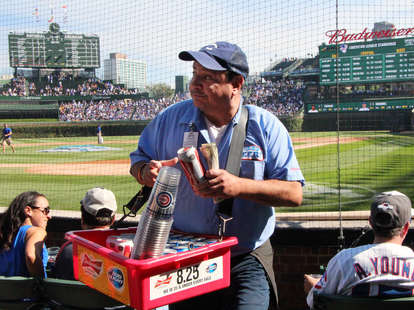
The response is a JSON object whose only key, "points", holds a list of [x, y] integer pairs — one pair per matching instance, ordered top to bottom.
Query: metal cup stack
{"points": [[156, 221]]}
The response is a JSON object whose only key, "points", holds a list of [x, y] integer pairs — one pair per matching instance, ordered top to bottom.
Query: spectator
{"points": [[98, 209], [22, 236], [384, 268]]}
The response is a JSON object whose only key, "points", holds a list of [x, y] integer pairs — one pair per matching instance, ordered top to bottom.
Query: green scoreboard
{"points": [[53, 49], [386, 60]]}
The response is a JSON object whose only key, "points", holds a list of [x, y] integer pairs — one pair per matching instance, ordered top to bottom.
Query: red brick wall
{"points": [[291, 262]]}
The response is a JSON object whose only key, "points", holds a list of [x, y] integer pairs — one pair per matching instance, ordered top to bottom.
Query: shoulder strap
{"points": [[237, 143], [234, 158]]}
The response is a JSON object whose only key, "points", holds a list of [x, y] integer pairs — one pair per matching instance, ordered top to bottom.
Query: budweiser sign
{"points": [[341, 35]]}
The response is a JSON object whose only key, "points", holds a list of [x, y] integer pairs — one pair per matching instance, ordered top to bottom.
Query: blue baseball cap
{"points": [[220, 56]]}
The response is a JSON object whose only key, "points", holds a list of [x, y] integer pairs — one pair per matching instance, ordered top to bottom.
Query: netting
{"points": [[337, 73]]}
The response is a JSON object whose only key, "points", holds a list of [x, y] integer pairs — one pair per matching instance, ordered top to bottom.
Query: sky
{"points": [[155, 31]]}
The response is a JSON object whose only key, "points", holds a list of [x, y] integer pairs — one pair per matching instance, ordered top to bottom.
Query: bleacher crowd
{"points": [[62, 84], [17, 87], [281, 97], [122, 109]]}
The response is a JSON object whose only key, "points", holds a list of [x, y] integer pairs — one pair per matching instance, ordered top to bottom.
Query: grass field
{"points": [[369, 162], [374, 162], [64, 191]]}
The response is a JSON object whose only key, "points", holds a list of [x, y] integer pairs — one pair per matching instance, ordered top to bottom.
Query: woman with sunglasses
{"points": [[22, 236]]}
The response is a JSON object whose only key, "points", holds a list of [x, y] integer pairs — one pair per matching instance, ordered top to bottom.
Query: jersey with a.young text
{"points": [[383, 269]]}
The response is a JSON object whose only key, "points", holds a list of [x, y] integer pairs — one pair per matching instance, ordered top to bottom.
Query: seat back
{"points": [[18, 292], [31, 293], [76, 295], [338, 302]]}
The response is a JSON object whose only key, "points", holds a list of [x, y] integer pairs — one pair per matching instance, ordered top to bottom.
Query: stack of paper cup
{"points": [[156, 221]]}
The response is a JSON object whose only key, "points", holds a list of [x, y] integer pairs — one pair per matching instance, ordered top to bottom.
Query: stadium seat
{"points": [[18, 293], [67, 294], [338, 302]]}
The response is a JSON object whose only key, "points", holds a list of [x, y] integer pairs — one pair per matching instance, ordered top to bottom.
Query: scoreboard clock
{"points": [[53, 49], [386, 60]]}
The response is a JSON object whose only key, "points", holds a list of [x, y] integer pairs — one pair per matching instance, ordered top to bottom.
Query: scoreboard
{"points": [[53, 49], [386, 60]]}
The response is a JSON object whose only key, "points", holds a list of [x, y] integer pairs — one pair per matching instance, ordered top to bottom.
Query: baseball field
{"points": [[345, 169]]}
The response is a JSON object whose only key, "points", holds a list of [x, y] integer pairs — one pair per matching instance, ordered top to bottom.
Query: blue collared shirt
{"points": [[267, 154]]}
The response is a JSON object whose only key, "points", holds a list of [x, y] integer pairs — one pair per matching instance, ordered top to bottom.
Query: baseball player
{"points": [[99, 134], [6, 138], [384, 268]]}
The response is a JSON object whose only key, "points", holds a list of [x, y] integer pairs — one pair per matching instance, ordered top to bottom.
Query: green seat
{"points": [[18, 293], [67, 294], [338, 302]]}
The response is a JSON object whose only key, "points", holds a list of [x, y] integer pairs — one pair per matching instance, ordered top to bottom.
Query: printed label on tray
{"points": [[103, 274], [185, 278]]}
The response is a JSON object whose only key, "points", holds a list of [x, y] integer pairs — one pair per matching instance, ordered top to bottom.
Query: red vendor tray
{"points": [[153, 282]]}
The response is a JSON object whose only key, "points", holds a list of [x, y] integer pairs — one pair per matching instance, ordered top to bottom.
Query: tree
{"points": [[160, 90]]}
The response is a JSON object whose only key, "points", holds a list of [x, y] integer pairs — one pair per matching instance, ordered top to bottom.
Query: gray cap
{"points": [[99, 198], [390, 210]]}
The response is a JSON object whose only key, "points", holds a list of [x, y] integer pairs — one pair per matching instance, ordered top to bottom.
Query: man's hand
{"points": [[150, 170], [219, 184]]}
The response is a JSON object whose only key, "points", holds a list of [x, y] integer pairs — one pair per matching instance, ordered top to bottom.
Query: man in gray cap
{"points": [[269, 172], [98, 209], [384, 268]]}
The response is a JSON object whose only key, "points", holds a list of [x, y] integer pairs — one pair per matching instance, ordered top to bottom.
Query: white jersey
{"points": [[370, 270]]}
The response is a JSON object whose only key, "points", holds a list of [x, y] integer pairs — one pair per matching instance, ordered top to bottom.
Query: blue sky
{"points": [[155, 31]]}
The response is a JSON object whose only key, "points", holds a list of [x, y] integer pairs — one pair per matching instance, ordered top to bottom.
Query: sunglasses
{"points": [[45, 211]]}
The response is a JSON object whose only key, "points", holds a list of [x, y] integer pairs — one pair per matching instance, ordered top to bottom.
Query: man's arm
{"points": [[222, 184], [35, 238], [309, 282], [331, 282]]}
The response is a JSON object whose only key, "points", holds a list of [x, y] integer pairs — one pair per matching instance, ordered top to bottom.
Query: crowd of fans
{"points": [[61, 83], [17, 87], [90, 87], [356, 92], [282, 97], [122, 109]]}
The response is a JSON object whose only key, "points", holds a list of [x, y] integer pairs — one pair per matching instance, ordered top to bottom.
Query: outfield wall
{"points": [[78, 129]]}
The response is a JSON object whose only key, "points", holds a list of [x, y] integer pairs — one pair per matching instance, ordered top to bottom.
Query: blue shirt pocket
{"points": [[252, 169]]}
